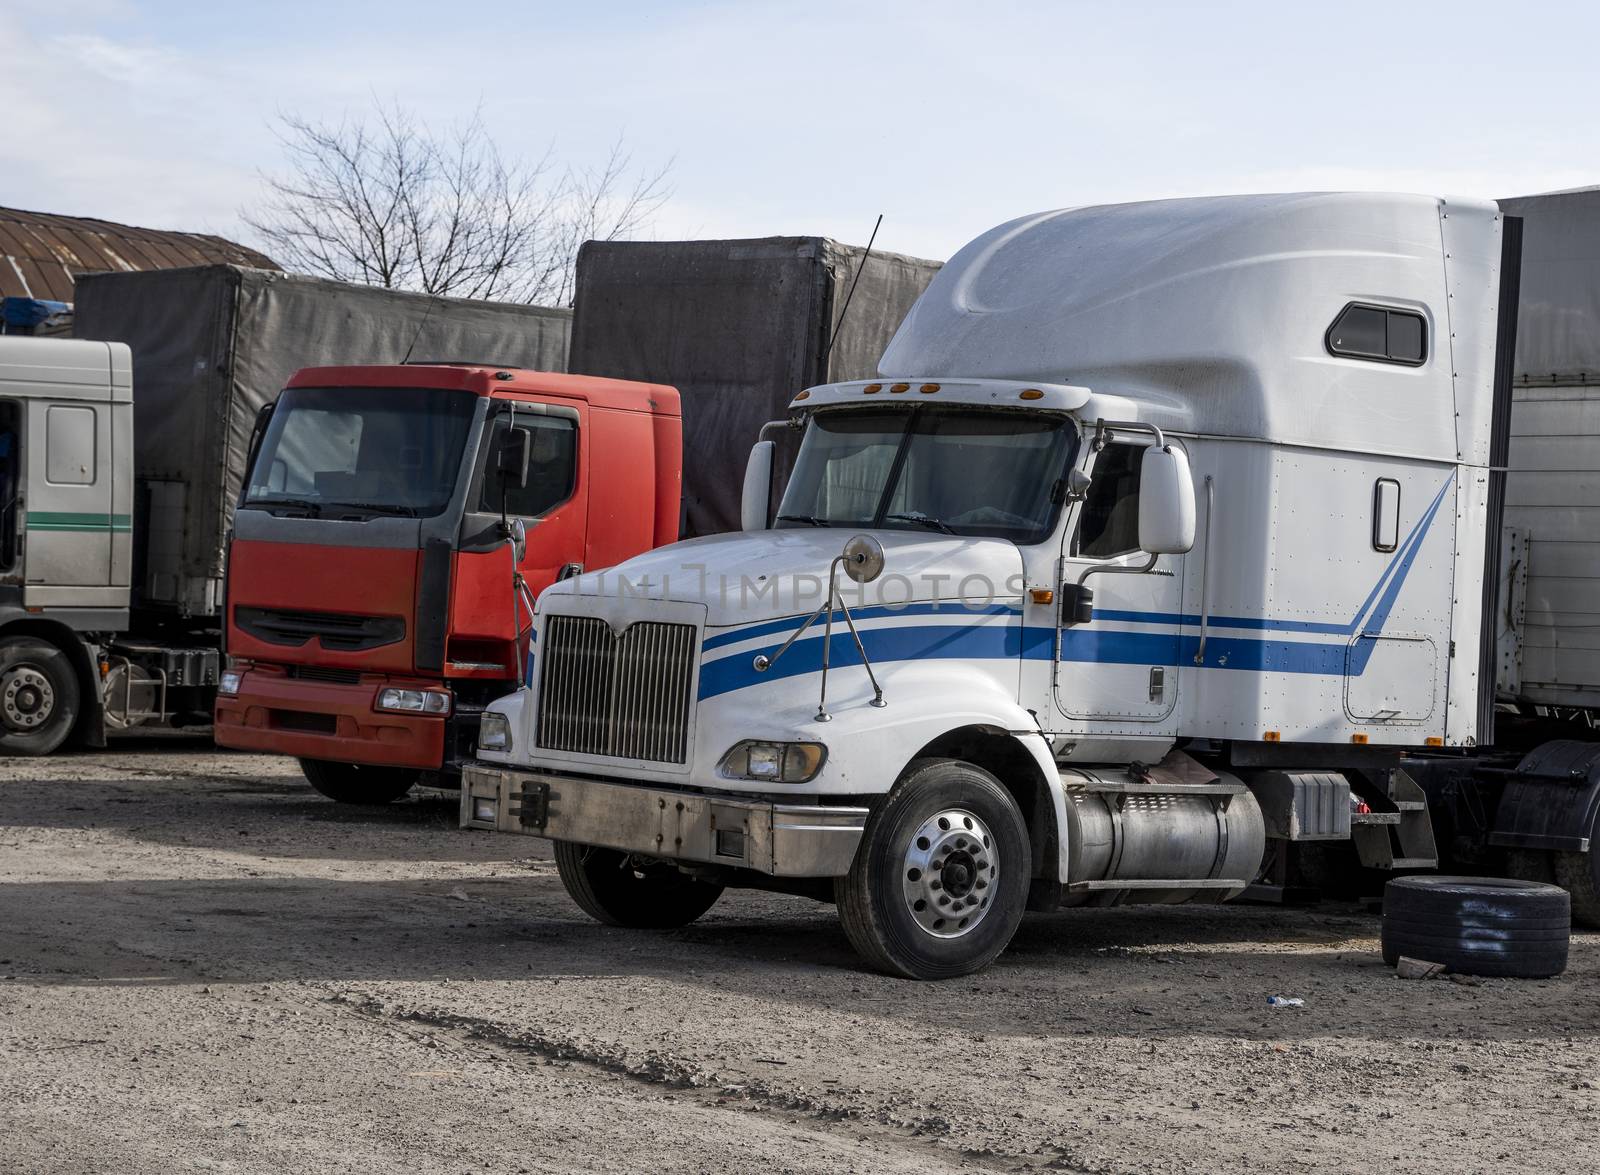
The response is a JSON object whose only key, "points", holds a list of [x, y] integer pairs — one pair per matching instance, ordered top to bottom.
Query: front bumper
{"points": [[324, 720], [783, 840]]}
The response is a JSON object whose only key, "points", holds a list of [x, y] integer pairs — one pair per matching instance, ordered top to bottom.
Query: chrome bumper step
{"points": [[783, 840]]}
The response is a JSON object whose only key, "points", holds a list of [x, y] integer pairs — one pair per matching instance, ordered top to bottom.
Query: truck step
{"points": [[1078, 783], [1375, 818], [1155, 883]]}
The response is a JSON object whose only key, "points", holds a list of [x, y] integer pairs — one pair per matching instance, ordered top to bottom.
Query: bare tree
{"points": [[386, 202]]}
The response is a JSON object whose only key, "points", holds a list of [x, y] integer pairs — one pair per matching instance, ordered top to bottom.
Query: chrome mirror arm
{"points": [[827, 641], [762, 662]]}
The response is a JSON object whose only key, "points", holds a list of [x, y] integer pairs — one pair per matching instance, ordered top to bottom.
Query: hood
{"points": [[771, 574]]}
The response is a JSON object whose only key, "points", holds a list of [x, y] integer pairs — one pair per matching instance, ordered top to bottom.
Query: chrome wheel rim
{"points": [[27, 699], [950, 873]]}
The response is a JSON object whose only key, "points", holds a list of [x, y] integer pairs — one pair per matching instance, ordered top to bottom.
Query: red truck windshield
{"points": [[362, 450]]}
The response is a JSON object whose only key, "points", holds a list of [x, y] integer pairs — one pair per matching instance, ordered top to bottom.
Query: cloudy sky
{"points": [[813, 117]]}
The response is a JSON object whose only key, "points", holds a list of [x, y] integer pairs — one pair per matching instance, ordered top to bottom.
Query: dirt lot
{"points": [[204, 967]]}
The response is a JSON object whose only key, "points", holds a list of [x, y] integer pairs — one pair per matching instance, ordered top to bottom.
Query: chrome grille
{"points": [[625, 697]]}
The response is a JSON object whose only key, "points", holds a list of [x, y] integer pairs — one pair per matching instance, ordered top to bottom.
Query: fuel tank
{"points": [[1132, 840]]}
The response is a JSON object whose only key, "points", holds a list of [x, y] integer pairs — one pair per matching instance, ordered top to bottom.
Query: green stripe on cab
{"points": [[69, 520]]}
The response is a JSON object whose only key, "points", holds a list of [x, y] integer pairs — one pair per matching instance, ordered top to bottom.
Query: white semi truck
{"points": [[1168, 529]]}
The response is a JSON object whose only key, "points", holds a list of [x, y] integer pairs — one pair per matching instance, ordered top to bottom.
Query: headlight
{"points": [[230, 681], [414, 701], [494, 733], [777, 762]]}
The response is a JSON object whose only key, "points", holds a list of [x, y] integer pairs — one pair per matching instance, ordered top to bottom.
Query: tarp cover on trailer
{"points": [[738, 327], [1558, 328], [212, 344], [1549, 633]]}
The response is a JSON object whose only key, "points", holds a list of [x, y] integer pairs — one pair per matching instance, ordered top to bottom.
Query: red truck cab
{"points": [[371, 612]]}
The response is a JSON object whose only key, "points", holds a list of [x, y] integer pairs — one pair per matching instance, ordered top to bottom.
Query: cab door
{"points": [[553, 507], [68, 517], [1124, 665]]}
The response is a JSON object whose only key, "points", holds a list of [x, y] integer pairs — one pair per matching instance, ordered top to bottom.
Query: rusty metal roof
{"points": [[41, 253]]}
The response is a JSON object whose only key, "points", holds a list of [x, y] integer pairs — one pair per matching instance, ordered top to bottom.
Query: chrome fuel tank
{"points": [[1135, 841]]}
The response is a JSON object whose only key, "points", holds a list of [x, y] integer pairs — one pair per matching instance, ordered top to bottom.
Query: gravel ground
{"points": [[205, 967]]}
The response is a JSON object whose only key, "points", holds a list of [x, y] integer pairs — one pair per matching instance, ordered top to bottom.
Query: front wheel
{"points": [[38, 696], [357, 783], [940, 879], [624, 889]]}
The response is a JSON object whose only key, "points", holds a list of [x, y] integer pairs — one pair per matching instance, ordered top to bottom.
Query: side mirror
{"points": [[512, 457], [755, 502], [1166, 502], [517, 532]]}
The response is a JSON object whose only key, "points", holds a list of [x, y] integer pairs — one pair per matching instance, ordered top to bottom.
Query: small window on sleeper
{"points": [[1379, 333]]}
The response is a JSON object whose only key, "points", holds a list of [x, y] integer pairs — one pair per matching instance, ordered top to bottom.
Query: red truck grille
{"points": [[333, 630], [623, 697]]}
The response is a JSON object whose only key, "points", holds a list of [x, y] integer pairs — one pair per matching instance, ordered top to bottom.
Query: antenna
{"points": [[851, 293], [417, 334]]}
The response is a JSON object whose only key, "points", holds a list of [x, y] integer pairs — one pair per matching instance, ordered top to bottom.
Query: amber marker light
{"points": [[899, 387], [871, 389], [928, 389], [1030, 394], [802, 395], [1041, 595], [1271, 736], [1359, 739], [1434, 741]]}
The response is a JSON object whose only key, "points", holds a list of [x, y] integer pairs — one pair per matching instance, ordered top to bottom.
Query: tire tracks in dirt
{"points": [[661, 1073]]}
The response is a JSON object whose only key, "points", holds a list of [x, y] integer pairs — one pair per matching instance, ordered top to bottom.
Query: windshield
{"points": [[362, 450], [968, 472]]}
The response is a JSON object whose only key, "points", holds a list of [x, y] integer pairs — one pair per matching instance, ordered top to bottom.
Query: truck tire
{"points": [[39, 696], [357, 783], [1577, 874], [940, 880], [620, 889], [1478, 925]]}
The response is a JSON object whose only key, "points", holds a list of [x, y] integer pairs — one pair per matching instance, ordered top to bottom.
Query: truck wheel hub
{"points": [[26, 698], [949, 873]]}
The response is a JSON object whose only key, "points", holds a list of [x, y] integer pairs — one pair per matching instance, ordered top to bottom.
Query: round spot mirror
{"points": [[863, 558]]}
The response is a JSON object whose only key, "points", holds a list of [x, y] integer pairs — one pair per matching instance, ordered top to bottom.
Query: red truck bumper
{"points": [[327, 720]]}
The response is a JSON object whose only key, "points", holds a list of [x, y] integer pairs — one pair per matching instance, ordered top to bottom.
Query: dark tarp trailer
{"points": [[1558, 320], [738, 327], [212, 344]]}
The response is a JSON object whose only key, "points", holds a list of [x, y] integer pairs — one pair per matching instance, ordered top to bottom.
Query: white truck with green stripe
{"points": [[67, 555]]}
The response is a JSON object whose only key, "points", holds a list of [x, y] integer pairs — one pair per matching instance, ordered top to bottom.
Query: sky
{"points": [[812, 118]]}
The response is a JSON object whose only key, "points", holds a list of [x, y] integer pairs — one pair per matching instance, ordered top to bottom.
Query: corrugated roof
{"points": [[41, 253]]}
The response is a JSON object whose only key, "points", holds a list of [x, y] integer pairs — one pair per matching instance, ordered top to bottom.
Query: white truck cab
{"points": [[66, 509], [1161, 536]]}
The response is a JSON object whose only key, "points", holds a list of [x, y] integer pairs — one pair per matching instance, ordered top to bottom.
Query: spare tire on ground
{"points": [[1478, 925]]}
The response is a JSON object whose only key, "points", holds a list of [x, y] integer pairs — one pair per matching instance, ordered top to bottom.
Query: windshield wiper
{"points": [[306, 504], [379, 508], [803, 518], [938, 524]]}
